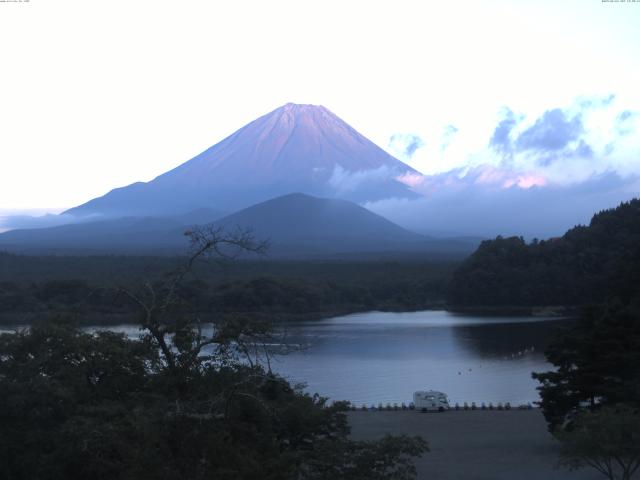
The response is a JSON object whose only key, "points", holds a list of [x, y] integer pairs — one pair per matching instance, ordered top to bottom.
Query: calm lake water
{"points": [[375, 357], [384, 357]]}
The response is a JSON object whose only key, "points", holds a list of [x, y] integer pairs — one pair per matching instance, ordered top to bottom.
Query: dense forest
{"points": [[587, 264], [91, 287]]}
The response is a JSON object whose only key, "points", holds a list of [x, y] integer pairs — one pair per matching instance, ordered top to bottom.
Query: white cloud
{"points": [[405, 145], [344, 181], [474, 204]]}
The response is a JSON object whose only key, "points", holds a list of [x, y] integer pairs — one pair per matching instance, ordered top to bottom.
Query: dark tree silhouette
{"points": [[607, 440]]}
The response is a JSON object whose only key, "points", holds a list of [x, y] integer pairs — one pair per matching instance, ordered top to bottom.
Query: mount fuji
{"points": [[295, 148]]}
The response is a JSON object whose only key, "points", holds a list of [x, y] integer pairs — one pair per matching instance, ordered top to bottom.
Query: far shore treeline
{"points": [[89, 287]]}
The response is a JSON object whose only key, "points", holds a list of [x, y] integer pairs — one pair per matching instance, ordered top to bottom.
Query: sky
{"points": [[491, 94]]}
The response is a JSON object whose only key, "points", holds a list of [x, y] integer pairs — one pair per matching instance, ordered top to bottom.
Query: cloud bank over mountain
{"points": [[564, 144], [536, 175], [468, 206]]}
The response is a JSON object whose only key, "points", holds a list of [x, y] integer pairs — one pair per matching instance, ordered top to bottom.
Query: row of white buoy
{"points": [[520, 353], [513, 356], [465, 406]]}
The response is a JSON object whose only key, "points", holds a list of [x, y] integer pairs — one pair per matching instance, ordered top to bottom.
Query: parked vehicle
{"points": [[430, 401]]}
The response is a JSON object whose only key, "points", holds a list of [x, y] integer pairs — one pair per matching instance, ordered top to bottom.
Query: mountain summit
{"points": [[295, 148]]}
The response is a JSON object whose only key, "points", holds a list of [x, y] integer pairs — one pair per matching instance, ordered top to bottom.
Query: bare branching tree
{"points": [[180, 338]]}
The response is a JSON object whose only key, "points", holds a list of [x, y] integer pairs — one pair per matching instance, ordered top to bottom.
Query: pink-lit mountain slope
{"points": [[295, 148]]}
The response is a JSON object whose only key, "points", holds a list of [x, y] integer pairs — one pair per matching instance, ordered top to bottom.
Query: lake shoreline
{"points": [[560, 311], [96, 318]]}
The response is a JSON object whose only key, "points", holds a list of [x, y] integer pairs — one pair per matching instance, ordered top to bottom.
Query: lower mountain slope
{"points": [[321, 224], [296, 226]]}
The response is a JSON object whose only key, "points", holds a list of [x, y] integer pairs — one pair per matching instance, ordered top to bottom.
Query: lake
{"points": [[383, 357]]}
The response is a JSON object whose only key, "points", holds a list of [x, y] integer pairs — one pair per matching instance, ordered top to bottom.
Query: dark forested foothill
{"points": [[587, 264]]}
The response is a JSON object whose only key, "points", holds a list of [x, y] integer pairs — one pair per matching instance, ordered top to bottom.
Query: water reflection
{"points": [[508, 340], [383, 357]]}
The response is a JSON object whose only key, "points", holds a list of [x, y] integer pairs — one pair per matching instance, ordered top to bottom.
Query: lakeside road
{"points": [[474, 445]]}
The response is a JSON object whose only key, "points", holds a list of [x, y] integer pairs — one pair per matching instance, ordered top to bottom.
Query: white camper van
{"points": [[430, 400]]}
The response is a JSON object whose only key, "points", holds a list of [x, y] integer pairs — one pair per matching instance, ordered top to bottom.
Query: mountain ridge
{"points": [[297, 226]]}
